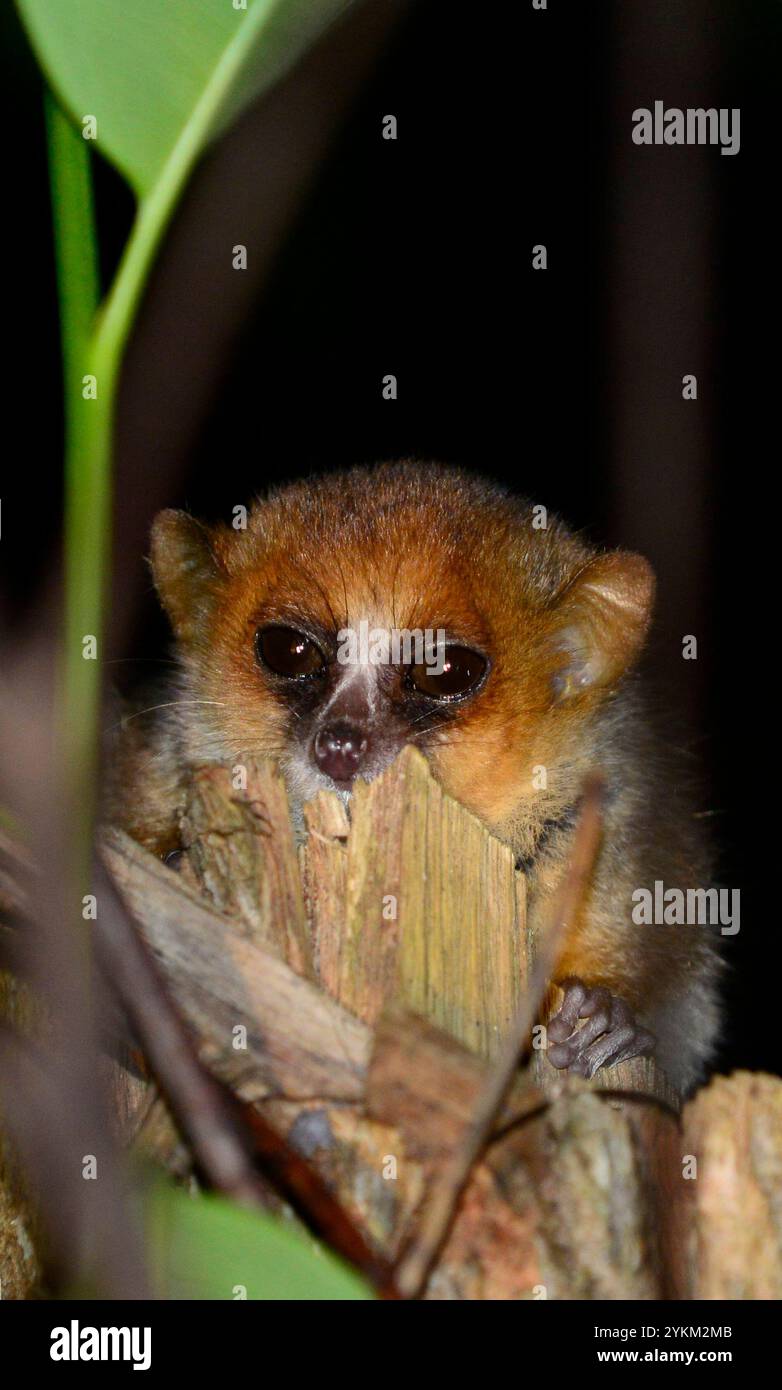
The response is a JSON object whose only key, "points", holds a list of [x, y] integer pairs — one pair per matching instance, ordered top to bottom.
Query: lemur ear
{"points": [[184, 567], [603, 618]]}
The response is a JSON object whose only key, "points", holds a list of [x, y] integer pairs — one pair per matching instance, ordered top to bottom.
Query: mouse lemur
{"points": [[525, 692]]}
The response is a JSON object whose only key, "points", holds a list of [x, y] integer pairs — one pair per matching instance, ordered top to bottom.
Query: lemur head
{"points": [[409, 603]]}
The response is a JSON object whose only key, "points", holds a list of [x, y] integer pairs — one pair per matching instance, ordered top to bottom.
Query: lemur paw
{"points": [[610, 1033]]}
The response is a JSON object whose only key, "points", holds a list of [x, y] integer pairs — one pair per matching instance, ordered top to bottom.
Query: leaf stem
{"points": [[87, 471]]}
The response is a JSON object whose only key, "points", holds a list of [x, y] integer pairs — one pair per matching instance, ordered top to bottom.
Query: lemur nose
{"points": [[339, 750]]}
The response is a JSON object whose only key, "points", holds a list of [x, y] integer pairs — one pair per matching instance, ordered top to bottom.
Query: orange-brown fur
{"points": [[417, 546]]}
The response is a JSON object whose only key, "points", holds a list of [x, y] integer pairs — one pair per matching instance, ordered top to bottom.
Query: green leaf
{"points": [[166, 76], [160, 79], [205, 1247]]}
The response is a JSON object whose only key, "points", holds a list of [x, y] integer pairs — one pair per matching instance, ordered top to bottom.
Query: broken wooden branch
{"points": [[414, 912], [369, 990]]}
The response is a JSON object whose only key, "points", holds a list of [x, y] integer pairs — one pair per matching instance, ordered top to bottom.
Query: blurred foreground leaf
{"points": [[205, 1247]]}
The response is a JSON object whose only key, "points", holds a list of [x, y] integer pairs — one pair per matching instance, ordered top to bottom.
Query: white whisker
{"points": [[167, 704]]}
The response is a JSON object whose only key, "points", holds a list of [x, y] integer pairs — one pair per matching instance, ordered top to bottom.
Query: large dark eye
{"points": [[289, 653], [455, 672]]}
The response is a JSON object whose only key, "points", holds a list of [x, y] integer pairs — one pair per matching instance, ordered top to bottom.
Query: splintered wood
{"points": [[258, 887], [415, 904], [353, 984]]}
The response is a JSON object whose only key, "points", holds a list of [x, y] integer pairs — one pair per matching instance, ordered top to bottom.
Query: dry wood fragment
{"points": [[242, 851], [324, 868], [349, 869], [433, 912], [299, 1043], [498, 1078], [426, 1084], [352, 1154], [566, 1201], [597, 1201], [733, 1219], [20, 1266]]}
